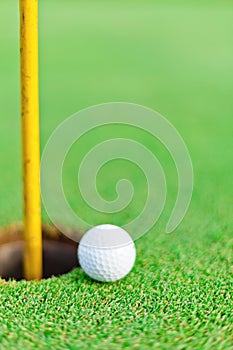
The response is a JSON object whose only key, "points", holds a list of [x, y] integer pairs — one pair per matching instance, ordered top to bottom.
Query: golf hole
{"points": [[59, 252]]}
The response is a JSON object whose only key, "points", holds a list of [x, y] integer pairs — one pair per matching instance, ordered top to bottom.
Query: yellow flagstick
{"points": [[30, 138]]}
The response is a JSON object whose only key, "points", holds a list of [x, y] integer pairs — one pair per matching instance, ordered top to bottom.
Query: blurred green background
{"points": [[172, 56], [175, 57]]}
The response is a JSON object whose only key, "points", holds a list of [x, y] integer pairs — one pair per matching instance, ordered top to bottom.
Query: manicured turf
{"points": [[175, 57]]}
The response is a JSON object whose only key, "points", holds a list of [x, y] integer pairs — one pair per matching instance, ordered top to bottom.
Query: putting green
{"points": [[172, 56]]}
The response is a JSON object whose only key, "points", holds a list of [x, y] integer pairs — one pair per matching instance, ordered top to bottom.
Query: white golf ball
{"points": [[106, 253]]}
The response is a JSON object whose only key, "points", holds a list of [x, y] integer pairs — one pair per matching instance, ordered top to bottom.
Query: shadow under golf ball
{"points": [[59, 253]]}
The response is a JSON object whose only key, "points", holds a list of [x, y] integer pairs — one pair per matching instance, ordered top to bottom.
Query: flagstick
{"points": [[30, 138]]}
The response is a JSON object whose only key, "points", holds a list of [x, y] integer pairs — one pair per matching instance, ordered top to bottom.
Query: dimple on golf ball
{"points": [[106, 253]]}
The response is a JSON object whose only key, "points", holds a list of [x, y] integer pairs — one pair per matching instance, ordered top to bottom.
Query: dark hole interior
{"points": [[58, 258]]}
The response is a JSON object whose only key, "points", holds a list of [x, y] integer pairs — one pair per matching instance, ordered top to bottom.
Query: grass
{"points": [[175, 57]]}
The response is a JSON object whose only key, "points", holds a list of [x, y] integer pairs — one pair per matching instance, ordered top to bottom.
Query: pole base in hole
{"points": [[59, 252]]}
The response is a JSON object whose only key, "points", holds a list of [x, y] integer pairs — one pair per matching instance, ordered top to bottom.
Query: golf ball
{"points": [[106, 253]]}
